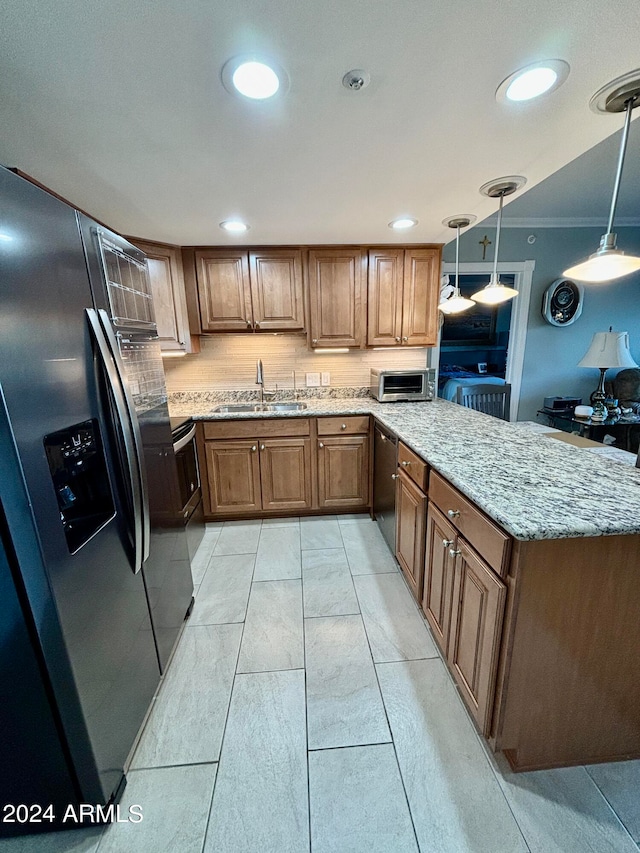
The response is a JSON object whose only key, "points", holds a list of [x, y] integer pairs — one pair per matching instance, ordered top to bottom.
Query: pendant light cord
{"points": [[629, 105], [495, 257], [457, 290]]}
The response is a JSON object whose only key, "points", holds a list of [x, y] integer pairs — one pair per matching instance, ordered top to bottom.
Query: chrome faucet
{"points": [[260, 382]]}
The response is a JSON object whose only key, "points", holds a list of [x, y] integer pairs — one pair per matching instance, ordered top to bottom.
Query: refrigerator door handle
{"points": [[113, 378], [135, 430]]}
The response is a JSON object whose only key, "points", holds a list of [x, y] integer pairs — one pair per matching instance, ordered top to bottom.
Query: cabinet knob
{"points": [[248, 324], [257, 325], [405, 338], [397, 340], [314, 341], [344, 426], [321, 445], [262, 447], [254, 448], [405, 464], [394, 476], [453, 513], [447, 542], [455, 552]]}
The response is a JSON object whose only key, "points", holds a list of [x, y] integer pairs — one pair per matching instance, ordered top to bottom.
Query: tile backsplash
{"points": [[228, 362]]}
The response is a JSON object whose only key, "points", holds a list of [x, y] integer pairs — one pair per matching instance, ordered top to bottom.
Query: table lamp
{"points": [[607, 349]]}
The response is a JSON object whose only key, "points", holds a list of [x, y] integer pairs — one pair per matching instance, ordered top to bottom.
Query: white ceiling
{"points": [[119, 107]]}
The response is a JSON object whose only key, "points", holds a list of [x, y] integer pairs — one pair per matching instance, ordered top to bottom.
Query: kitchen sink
{"points": [[238, 407], [283, 407], [229, 408]]}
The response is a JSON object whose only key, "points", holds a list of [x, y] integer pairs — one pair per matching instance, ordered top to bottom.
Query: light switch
{"points": [[326, 378], [313, 380]]}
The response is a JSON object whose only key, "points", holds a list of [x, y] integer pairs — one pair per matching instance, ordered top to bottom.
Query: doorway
{"points": [[485, 343]]}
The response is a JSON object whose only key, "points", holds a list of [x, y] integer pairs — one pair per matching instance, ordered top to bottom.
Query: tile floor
{"points": [[307, 708]]}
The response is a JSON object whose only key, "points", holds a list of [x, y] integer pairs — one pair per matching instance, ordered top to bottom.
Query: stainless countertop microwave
{"points": [[401, 385]]}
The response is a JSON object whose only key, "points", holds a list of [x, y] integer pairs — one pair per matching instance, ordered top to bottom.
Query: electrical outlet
{"points": [[326, 378], [313, 380]]}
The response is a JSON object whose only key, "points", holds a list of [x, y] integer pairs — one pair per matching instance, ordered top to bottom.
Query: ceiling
{"points": [[119, 107]]}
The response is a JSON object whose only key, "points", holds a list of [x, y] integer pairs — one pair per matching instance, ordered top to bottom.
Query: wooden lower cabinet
{"points": [[343, 471], [233, 472], [285, 472], [249, 476], [411, 511], [438, 582], [464, 602], [476, 623]]}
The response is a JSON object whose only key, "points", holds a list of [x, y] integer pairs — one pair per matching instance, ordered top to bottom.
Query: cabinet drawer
{"points": [[343, 425], [257, 428], [413, 466], [484, 535]]}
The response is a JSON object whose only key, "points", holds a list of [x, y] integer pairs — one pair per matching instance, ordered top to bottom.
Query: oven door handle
{"points": [[123, 426], [182, 442]]}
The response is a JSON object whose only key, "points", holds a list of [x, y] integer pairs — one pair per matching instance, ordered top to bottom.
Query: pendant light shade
{"points": [[608, 262], [495, 292], [456, 303]]}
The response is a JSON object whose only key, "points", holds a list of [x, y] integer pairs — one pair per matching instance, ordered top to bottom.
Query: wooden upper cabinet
{"points": [[336, 278], [403, 286], [276, 289], [384, 290], [244, 291], [224, 292], [420, 297], [169, 301]]}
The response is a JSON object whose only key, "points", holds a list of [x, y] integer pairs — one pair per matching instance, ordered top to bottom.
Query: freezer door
{"points": [[50, 380]]}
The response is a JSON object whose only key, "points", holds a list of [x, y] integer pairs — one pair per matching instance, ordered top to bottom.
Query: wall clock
{"points": [[562, 302]]}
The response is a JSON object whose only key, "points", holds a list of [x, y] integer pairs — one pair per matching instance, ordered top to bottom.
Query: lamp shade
{"points": [[608, 349]]}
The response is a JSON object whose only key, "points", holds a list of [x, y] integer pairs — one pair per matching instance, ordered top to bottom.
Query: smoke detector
{"points": [[356, 79]]}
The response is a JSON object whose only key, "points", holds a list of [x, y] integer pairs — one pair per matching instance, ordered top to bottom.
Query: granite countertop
{"points": [[532, 486]]}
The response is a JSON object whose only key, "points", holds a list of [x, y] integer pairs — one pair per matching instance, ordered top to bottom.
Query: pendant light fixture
{"points": [[608, 262], [495, 293], [456, 303]]}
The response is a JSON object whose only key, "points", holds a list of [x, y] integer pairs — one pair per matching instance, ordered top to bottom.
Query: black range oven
{"points": [[183, 431]]}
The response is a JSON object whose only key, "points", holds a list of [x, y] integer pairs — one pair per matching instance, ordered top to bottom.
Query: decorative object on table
{"points": [[608, 262], [494, 293], [454, 302], [562, 302], [607, 349], [482, 367], [626, 387], [561, 404], [613, 409], [583, 412]]}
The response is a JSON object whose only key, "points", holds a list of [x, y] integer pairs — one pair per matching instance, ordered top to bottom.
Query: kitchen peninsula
{"points": [[543, 654]]}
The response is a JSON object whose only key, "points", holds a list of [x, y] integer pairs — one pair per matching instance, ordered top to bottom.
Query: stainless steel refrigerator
{"points": [[95, 579]]}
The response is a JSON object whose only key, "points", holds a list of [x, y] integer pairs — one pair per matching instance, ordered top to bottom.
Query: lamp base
{"points": [[598, 397]]}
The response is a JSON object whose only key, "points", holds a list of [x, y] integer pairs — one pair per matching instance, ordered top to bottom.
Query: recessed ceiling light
{"points": [[254, 78], [533, 80], [402, 223], [234, 226]]}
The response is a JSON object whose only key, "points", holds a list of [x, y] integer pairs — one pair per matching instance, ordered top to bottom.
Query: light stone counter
{"points": [[534, 487]]}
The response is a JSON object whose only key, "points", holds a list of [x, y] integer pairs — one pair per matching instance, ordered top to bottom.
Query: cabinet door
{"points": [[276, 289], [224, 293], [335, 297], [384, 297], [420, 297], [169, 301], [343, 471], [233, 472], [285, 473], [411, 512], [438, 580], [476, 624]]}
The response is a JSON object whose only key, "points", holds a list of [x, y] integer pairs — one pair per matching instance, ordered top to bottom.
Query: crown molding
{"points": [[562, 222]]}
